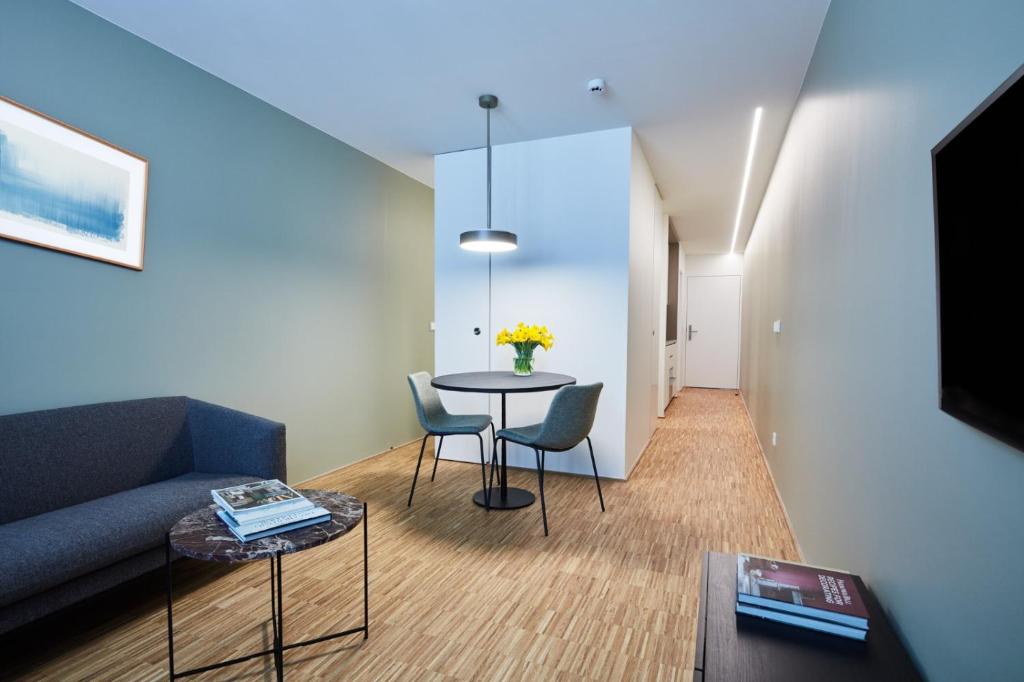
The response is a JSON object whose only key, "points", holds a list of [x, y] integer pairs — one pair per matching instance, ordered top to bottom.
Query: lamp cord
{"points": [[488, 169], [489, 302]]}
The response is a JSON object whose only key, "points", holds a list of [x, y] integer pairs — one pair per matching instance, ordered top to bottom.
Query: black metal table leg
{"points": [[503, 476], [366, 578], [273, 598], [277, 615], [170, 619], [279, 642]]}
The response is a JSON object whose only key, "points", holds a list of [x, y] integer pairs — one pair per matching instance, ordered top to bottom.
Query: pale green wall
{"points": [[287, 274], [875, 478]]}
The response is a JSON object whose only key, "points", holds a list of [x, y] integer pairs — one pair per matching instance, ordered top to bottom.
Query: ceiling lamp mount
{"points": [[488, 240]]}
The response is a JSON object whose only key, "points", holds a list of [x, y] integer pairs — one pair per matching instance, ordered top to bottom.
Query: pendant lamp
{"points": [[488, 240]]}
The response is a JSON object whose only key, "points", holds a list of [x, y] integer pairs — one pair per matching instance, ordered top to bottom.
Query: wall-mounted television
{"points": [[978, 176]]}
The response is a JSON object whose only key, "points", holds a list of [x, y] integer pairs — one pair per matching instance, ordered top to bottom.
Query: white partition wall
{"points": [[568, 200]]}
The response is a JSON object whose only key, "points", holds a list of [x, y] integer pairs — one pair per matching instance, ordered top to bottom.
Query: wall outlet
{"points": [[777, 326], [775, 439]]}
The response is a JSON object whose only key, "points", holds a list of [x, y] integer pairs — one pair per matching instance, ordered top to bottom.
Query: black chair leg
{"points": [[437, 456], [494, 464], [416, 475], [483, 475], [597, 480], [540, 481]]}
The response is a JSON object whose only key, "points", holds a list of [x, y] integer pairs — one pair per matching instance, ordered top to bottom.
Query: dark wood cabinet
{"points": [[733, 647]]}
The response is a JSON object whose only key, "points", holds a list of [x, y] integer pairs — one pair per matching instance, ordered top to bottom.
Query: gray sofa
{"points": [[87, 493]]}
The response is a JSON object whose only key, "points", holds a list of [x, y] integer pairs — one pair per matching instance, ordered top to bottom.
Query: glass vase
{"points": [[523, 364]]}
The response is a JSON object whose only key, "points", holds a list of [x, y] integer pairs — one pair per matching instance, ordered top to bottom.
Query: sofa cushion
{"points": [[57, 458], [45, 550]]}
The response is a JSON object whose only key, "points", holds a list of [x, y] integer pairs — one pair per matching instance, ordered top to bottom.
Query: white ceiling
{"points": [[398, 79]]}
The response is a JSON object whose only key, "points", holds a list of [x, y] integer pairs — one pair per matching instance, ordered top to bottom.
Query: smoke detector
{"points": [[596, 86]]}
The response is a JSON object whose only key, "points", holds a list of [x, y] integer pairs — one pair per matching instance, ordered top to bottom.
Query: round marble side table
{"points": [[202, 535]]}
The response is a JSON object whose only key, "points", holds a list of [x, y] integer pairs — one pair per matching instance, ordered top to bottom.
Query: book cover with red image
{"points": [[809, 591]]}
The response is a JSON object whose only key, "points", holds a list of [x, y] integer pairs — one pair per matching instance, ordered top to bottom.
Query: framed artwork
{"points": [[66, 190]]}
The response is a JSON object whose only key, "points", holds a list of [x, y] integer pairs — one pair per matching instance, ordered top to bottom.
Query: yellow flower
{"points": [[532, 335]]}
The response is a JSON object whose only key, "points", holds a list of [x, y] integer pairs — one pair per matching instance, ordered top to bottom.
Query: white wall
{"points": [[567, 199], [648, 243], [715, 264], [681, 321], [874, 476]]}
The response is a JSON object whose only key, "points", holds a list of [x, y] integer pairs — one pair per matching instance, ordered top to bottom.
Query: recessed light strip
{"points": [[746, 176]]}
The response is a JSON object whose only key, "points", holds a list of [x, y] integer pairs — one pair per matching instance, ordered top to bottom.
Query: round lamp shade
{"points": [[488, 240]]}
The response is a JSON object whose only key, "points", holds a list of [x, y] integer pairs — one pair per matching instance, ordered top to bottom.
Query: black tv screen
{"points": [[978, 174]]}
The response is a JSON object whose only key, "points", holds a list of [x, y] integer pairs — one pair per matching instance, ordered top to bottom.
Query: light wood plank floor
{"points": [[457, 593]]}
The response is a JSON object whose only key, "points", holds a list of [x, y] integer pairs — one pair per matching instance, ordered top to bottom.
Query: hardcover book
{"points": [[250, 501], [318, 514], [255, 534], [804, 591], [802, 622]]}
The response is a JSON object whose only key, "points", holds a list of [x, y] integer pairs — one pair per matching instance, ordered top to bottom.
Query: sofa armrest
{"points": [[226, 441]]}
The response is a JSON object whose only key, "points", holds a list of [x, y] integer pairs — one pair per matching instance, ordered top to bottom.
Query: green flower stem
{"points": [[523, 363]]}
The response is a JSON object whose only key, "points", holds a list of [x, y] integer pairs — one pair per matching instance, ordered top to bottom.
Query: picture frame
{"points": [[64, 189]]}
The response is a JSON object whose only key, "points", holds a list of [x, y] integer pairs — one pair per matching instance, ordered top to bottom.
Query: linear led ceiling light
{"points": [[746, 176]]}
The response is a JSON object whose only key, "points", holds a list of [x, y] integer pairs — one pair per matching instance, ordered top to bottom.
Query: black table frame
{"points": [[508, 498], [277, 616]]}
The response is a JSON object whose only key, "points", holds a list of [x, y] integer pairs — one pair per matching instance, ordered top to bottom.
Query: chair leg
{"points": [[437, 456], [418, 462], [494, 464], [483, 475], [597, 480], [540, 481]]}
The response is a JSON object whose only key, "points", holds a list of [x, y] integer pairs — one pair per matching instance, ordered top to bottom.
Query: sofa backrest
{"points": [[53, 459]]}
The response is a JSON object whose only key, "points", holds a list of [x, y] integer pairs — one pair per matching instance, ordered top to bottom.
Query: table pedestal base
{"points": [[517, 498]]}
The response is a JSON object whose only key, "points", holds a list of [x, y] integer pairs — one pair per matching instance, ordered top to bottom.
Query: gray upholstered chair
{"points": [[437, 421], [567, 424]]}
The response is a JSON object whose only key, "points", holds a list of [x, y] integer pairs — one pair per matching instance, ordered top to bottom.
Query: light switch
{"points": [[433, 326], [777, 326], [775, 439]]}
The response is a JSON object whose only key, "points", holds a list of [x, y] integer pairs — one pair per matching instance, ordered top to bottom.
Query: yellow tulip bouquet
{"points": [[525, 338]]}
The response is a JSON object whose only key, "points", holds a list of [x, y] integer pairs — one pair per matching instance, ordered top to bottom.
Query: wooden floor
{"points": [[456, 592]]}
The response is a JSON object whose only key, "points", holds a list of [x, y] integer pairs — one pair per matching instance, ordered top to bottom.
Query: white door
{"points": [[712, 332]]}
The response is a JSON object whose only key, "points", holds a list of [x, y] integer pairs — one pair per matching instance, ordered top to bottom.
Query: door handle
{"points": [[690, 331]]}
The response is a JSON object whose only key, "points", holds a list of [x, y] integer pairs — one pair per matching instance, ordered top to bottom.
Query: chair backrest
{"points": [[429, 409], [570, 417]]}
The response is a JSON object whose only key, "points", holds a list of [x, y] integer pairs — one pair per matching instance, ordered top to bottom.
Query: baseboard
{"points": [[643, 451], [357, 461], [771, 476]]}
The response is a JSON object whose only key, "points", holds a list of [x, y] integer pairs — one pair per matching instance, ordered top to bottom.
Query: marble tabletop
{"points": [[202, 535]]}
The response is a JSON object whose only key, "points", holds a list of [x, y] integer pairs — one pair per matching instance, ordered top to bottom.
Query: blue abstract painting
{"points": [[66, 190]]}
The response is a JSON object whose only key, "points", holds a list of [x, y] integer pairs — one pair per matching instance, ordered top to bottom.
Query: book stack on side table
{"points": [[257, 510], [805, 596]]}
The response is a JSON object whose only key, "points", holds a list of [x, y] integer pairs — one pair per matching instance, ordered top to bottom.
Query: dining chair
{"points": [[437, 421], [567, 424]]}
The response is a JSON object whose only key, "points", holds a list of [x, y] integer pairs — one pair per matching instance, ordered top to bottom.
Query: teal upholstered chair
{"points": [[437, 421], [567, 424]]}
